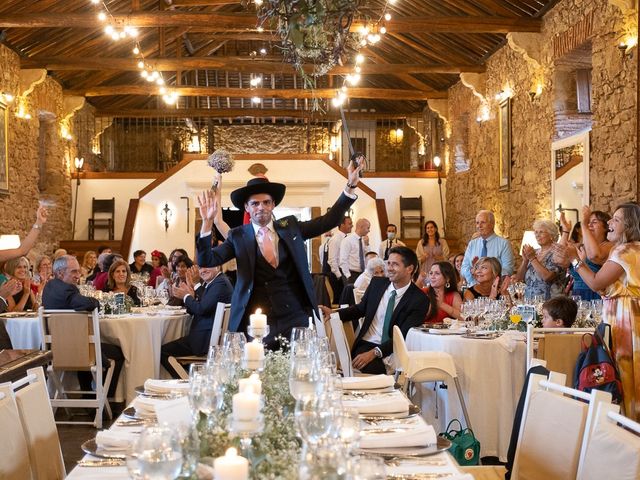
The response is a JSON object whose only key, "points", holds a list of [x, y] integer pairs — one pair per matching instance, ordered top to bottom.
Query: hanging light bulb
{"points": [[95, 2], [102, 16], [387, 16], [109, 30], [383, 30], [136, 50], [359, 58], [141, 64], [144, 74], [160, 81], [256, 99]]}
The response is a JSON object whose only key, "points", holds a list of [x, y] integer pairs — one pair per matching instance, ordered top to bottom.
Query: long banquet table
{"points": [[139, 335], [491, 375]]}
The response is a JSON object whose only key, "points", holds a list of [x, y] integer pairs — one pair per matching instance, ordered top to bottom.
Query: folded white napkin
{"points": [[509, 340], [369, 382], [165, 386], [394, 402], [146, 407], [414, 434], [115, 440]]}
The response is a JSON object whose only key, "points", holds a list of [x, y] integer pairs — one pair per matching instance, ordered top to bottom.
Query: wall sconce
{"points": [[626, 47], [534, 94], [502, 95], [7, 97], [484, 113], [166, 214]]}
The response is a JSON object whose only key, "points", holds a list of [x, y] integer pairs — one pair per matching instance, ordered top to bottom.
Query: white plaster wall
{"points": [[309, 183], [392, 188], [122, 189], [567, 195]]}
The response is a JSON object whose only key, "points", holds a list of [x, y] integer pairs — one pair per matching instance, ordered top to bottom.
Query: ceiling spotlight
{"points": [[95, 2], [260, 29], [263, 51]]}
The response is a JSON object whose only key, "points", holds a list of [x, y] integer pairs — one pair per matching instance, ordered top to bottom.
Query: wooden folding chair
{"points": [[74, 340]]}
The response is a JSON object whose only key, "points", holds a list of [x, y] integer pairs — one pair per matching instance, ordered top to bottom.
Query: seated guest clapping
{"points": [[181, 265], [18, 268], [375, 268], [43, 273], [540, 273], [486, 274], [119, 281], [62, 293], [201, 295], [445, 300], [389, 301], [559, 312]]}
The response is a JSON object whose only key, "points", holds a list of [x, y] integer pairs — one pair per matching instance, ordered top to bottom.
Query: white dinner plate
{"points": [[442, 445], [91, 447]]}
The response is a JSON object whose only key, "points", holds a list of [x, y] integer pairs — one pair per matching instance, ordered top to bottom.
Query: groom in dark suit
{"points": [[273, 272], [388, 301], [202, 302]]}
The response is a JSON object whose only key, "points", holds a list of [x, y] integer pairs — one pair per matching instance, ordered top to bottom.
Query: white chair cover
{"points": [[218, 319], [342, 346], [40, 429], [612, 451], [15, 454]]}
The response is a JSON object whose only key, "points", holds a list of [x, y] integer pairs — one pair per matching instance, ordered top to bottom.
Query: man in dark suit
{"points": [[273, 272], [61, 293], [201, 301], [387, 302]]}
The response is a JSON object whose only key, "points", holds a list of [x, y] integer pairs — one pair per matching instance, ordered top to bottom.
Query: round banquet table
{"points": [[139, 335], [491, 375]]}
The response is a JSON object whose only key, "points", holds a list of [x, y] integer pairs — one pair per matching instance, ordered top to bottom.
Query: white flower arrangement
{"points": [[221, 161]]}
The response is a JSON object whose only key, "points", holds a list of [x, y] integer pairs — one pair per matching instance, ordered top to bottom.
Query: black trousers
{"points": [[353, 275], [337, 285], [176, 348], [109, 352], [376, 366]]}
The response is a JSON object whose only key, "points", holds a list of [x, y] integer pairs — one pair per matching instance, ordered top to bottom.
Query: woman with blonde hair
{"points": [[89, 262], [18, 268], [486, 272], [540, 273], [619, 282]]}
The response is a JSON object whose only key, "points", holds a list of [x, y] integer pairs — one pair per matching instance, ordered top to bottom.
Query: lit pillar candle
{"points": [[258, 319], [253, 354], [253, 382], [246, 405], [231, 466]]}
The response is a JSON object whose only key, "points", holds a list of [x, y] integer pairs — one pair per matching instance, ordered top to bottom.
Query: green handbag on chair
{"points": [[465, 448]]}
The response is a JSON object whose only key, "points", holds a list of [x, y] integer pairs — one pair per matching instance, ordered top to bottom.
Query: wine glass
{"points": [[163, 295], [528, 313], [302, 378], [313, 419], [158, 453], [366, 468]]}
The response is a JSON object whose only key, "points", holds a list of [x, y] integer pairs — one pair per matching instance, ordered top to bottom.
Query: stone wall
{"points": [[613, 138], [38, 161]]}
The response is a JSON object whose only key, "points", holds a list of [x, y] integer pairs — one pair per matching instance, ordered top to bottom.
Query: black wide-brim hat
{"points": [[255, 186]]}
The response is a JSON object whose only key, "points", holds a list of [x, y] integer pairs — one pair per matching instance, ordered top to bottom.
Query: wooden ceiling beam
{"points": [[200, 3], [223, 22], [240, 64], [187, 91], [245, 112]]}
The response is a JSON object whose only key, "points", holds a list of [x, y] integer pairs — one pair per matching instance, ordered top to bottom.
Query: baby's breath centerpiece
{"points": [[276, 451]]}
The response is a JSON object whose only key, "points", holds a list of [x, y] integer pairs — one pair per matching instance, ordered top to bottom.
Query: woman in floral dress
{"points": [[619, 282]]}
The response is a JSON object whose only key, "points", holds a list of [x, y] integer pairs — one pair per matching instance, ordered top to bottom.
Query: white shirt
{"points": [[272, 234], [391, 243], [324, 245], [334, 252], [350, 253], [374, 334]]}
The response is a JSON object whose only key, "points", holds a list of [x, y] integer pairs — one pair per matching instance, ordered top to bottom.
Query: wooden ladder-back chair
{"points": [[106, 208], [411, 214], [74, 340]]}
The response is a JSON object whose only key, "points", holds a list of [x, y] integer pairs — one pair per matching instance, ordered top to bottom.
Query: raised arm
{"points": [[29, 241], [596, 252]]}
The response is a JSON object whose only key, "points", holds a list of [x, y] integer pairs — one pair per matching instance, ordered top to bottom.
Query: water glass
{"points": [[162, 294], [302, 378], [314, 419], [159, 453], [366, 468]]}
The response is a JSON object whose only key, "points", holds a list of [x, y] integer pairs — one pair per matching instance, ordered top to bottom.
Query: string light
{"points": [[256, 99]]}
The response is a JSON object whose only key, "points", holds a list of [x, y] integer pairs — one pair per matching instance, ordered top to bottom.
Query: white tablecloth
{"points": [[139, 336], [491, 378]]}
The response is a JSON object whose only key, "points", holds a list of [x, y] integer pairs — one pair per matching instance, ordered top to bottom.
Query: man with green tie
{"points": [[389, 301]]}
